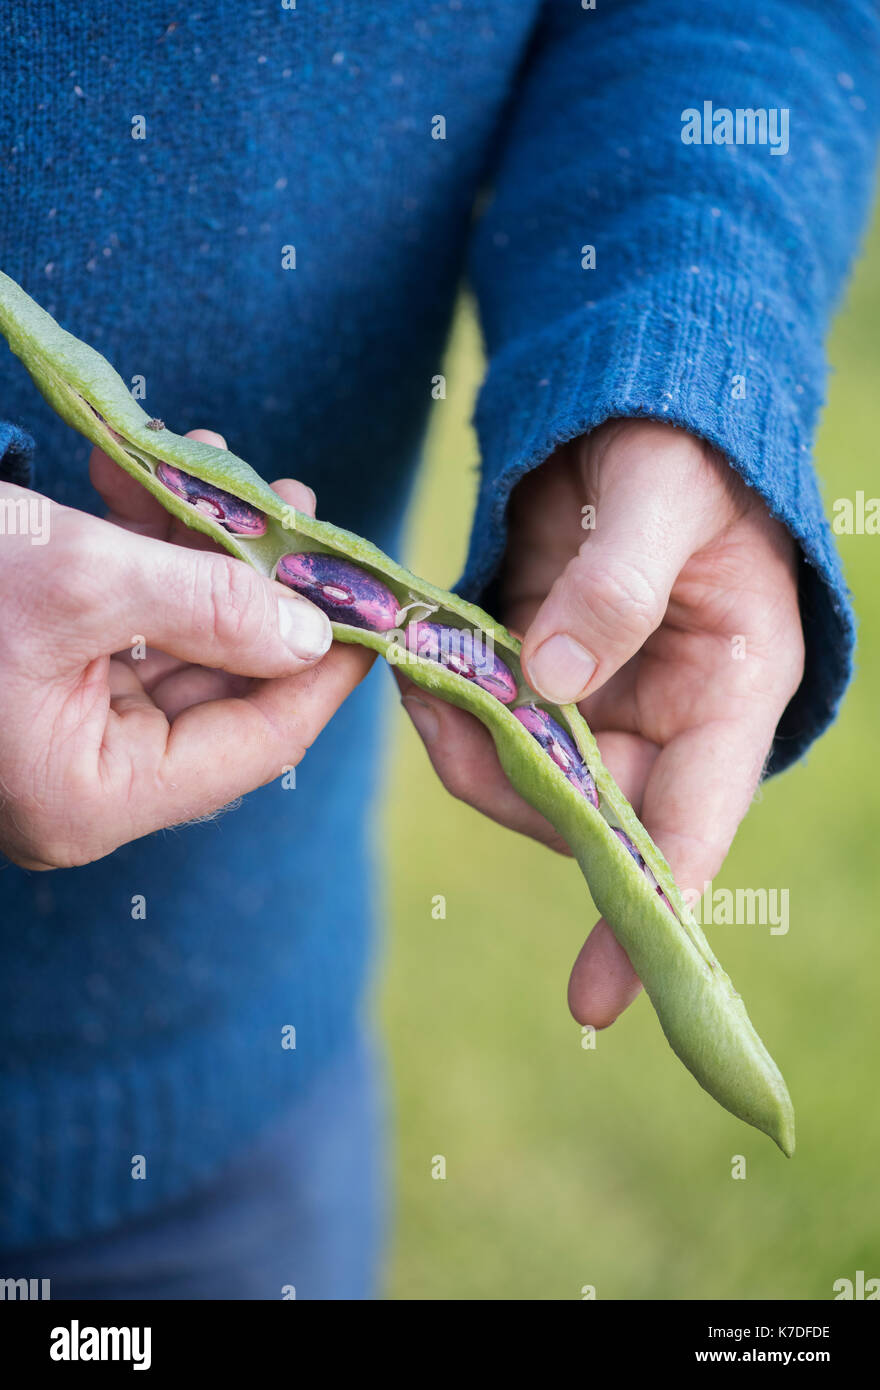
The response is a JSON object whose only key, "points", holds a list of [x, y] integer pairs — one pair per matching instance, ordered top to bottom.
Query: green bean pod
{"points": [[700, 1012]]}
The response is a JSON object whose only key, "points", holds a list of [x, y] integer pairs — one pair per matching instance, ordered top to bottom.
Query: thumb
{"points": [[614, 593], [196, 605]]}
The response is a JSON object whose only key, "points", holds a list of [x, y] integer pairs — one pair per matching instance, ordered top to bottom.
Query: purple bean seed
{"points": [[228, 511], [345, 592], [466, 653], [561, 748], [628, 845]]}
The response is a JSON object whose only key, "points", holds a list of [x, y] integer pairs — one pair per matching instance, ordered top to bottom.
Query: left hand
{"points": [[674, 624]]}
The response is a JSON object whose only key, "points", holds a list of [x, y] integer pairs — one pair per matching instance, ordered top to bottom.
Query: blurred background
{"points": [[569, 1167]]}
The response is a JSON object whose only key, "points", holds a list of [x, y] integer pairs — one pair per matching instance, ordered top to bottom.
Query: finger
{"points": [[299, 495], [651, 516], [150, 666], [173, 685], [195, 685], [126, 690], [218, 751], [463, 755], [699, 790], [602, 982]]}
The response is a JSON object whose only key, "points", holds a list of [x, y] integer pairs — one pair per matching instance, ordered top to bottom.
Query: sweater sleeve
{"points": [[717, 265], [16, 454]]}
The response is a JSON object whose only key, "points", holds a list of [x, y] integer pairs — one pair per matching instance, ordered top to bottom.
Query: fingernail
{"points": [[303, 628], [561, 669], [422, 716]]}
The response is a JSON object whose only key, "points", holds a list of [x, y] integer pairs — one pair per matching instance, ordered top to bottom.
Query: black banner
{"points": [[65, 1339]]}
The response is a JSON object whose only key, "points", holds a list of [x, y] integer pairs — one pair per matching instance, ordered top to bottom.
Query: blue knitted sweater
{"points": [[317, 127]]}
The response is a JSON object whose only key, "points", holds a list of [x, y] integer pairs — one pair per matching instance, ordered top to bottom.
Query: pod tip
{"points": [[783, 1132]]}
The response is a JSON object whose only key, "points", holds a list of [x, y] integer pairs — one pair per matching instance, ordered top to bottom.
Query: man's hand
{"points": [[674, 624], [98, 747]]}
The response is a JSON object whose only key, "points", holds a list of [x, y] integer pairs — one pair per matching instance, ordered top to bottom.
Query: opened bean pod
{"points": [[461, 654]]}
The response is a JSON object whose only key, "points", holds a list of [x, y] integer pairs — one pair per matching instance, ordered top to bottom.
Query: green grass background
{"points": [[611, 1167]]}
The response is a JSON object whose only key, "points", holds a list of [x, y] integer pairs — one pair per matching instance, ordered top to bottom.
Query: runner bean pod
{"points": [[549, 754]]}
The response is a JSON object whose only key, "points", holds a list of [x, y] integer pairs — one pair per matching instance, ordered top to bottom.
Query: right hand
{"points": [[98, 748]]}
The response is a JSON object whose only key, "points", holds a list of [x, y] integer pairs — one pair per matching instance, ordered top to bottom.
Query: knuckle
{"points": [[78, 573], [237, 606], [790, 662], [457, 782], [51, 813], [34, 839]]}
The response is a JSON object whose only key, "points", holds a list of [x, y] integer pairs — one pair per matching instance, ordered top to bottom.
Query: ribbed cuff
{"points": [[630, 357], [16, 455]]}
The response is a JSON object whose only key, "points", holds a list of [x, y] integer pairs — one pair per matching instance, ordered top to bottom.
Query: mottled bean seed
{"points": [[228, 511], [345, 592], [464, 652], [561, 748]]}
